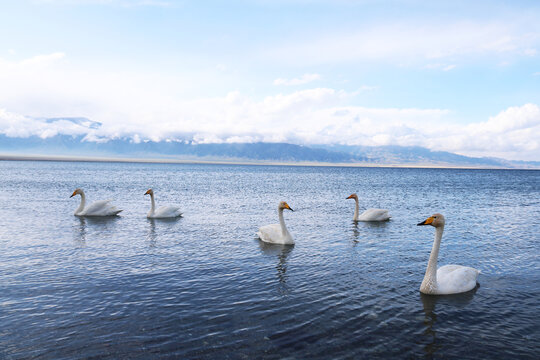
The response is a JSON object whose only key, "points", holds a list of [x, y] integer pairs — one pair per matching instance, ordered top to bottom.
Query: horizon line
{"points": [[70, 158]]}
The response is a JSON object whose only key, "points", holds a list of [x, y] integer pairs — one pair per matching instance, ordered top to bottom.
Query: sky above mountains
{"points": [[449, 76]]}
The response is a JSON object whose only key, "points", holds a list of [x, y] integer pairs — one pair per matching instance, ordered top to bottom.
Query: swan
{"points": [[98, 208], [163, 212], [369, 214], [277, 233], [448, 279]]}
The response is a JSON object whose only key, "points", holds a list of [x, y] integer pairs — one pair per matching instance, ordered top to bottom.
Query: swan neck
{"points": [[153, 203], [82, 204], [356, 209], [284, 230], [431, 270]]}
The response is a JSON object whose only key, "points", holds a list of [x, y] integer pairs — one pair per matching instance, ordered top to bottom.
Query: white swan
{"points": [[98, 208], [162, 212], [369, 214], [277, 233], [448, 279]]}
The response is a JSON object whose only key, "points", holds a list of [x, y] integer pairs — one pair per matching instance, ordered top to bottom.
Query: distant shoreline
{"points": [[11, 157]]}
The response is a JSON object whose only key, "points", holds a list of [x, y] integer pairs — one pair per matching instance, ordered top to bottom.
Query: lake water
{"points": [[204, 286]]}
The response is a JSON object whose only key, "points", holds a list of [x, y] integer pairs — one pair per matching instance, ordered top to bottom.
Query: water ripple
{"points": [[203, 286]]}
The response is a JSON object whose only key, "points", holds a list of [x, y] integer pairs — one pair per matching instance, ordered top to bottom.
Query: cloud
{"points": [[404, 43], [43, 59], [34, 61], [438, 66], [443, 67], [449, 67], [304, 79], [367, 88], [144, 107], [315, 116], [16, 125], [513, 133]]}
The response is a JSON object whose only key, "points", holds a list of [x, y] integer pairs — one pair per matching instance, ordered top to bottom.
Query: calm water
{"points": [[204, 287]]}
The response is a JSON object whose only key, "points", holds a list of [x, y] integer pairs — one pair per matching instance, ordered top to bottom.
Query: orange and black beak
{"points": [[148, 191], [74, 193], [349, 197], [288, 207], [428, 221]]}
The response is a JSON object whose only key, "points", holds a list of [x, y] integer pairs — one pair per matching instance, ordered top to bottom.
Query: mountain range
{"points": [[180, 149]]}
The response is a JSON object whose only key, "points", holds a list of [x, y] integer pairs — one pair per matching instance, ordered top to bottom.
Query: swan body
{"points": [[98, 208], [163, 212], [369, 214], [277, 233], [448, 279]]}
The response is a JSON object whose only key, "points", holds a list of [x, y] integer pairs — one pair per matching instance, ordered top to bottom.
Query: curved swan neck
{"points": [[153, 203], [82, 204], [356, 209], [284, 230], [430, 278]]}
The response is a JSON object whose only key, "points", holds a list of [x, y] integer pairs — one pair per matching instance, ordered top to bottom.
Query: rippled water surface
{"points": [[204, 287]]}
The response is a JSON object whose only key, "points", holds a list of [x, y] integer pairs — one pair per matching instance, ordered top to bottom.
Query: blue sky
{"points": [[449, 76]]}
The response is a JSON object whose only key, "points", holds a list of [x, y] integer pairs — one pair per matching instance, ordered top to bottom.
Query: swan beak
{"points": [[147, 192], [74, 193], [349, 197], [288, 207], [428, 221]]}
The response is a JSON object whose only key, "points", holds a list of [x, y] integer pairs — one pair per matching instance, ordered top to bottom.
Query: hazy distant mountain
{"points": [[75, 120], [66, 145], [75, 146], [281, 152], [393, 154]]}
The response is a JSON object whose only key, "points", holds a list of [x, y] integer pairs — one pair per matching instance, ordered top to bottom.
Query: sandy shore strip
{"points": [[35, 157]]}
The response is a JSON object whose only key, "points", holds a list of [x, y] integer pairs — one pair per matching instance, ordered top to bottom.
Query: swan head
{"points": [[76, 192], [149, 192], [353, 196], [284, 205], [436, 220]]}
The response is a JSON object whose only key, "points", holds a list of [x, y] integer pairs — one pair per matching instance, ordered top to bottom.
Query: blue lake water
{"points": [[204, 287]]}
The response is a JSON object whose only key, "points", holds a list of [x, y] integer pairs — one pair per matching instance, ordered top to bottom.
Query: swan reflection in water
{"points": [[101, 224], [372, 224], [359, 226], [81, 231], [355, 233], [152, 235], [282, 252], [429, 303]]}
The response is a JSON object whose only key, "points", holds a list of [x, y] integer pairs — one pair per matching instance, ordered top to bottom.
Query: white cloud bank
{"points": [[143, 108], [312, 117], [513, 133]]}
